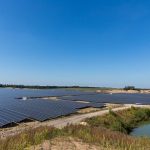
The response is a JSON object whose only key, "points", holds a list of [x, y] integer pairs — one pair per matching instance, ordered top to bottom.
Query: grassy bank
{"points": [[123, 121], [102, 131]]}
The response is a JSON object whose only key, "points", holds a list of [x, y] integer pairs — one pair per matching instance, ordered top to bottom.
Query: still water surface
{"points": [[143, 130]]}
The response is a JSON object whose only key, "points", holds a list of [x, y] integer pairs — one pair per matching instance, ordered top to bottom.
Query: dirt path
{"points": [[58, 123]]}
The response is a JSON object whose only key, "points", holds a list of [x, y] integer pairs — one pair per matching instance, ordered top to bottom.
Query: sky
{"points": [[75, 42]]}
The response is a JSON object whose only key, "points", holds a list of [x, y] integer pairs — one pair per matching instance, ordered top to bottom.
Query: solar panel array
{"points": [[16, 93], [112, 98], [14, 110], [9, 116]]}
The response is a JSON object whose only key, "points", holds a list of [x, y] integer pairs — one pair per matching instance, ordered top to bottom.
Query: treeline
{"points": [[37, 86], [55, 87], [130, 88], [133, 88]]}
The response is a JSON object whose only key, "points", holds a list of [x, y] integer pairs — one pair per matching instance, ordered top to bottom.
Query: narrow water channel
{"points": [[143, 130]]}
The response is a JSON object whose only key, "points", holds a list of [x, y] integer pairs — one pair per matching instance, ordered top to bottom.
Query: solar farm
{"points": [[17, 105]]}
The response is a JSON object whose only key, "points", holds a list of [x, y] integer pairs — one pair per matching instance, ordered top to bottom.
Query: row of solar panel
{"points": [[16, 93], [112, 98], [37, 109], [15, 110], [9, 116]]}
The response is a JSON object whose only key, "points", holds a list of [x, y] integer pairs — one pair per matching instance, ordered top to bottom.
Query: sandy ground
{"points": [[124, 91], [88, 110], [58, 123], [66, 144]]}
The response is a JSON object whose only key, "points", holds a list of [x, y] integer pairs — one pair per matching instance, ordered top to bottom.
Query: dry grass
{"points": [[93, 134]]}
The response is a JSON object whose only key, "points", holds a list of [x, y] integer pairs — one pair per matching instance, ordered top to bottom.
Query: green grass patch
{"points": [[123, 121]]}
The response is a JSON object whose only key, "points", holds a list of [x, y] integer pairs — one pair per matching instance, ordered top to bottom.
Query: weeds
{"points": [[123, 121], [102, 131]]}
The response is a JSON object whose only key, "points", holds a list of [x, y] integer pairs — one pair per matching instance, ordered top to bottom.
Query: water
{"points": [[143, 130]]}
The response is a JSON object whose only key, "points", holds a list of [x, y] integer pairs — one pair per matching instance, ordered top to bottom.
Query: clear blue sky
{"points": [[75, 42]]}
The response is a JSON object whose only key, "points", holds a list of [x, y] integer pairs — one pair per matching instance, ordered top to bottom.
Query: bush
{"points": [[123, 121]]}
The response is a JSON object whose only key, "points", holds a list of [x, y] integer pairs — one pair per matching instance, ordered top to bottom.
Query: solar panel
{"points": [[16, 93], [112, 98], [38, 109], [16, 110], [10, 116]]}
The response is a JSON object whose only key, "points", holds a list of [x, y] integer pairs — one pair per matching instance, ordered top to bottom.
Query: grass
{"points": [[90, 89], [123, 121], [109, 131]]}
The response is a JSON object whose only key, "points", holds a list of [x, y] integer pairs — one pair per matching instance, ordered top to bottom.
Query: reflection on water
{"points": [[143, 130]]}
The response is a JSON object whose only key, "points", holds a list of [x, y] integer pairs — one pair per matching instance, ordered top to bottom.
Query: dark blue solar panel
{"points": [[15, 93], [112, 98], [39, 109], [16, 110], [10, 116]]}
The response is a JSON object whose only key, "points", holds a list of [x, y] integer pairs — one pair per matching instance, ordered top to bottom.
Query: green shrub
{"points": [[123, 121]]}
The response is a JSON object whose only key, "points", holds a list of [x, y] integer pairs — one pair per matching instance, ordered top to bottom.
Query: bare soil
{"points": [[113, 91], [88, 110], [65, 143]]}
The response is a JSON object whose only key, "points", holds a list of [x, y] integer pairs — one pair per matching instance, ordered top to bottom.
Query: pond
{"points": [[143, 130]]}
